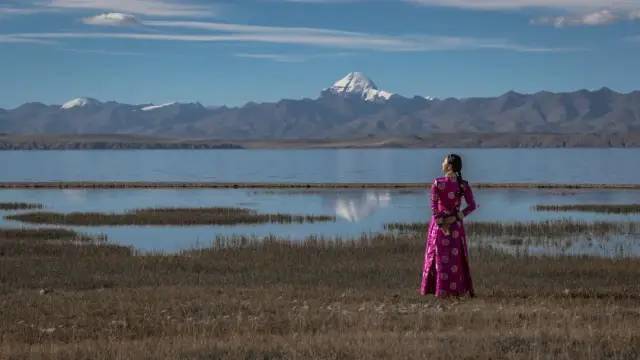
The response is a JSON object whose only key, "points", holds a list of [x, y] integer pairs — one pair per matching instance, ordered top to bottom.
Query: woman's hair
{"points": [[456, 165]]}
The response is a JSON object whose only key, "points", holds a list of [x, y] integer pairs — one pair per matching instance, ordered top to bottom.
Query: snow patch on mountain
{"points": [[358, 84], [79, 102], [154, 107]]}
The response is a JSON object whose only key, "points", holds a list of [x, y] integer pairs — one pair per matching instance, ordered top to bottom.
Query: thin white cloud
{"points": [[521, 4], [143, 7], [12, 10], [16, 11], [576, 12], [634, 15], [597, 18], [111, 19], [242, 28], [349, 38], [11, 39], [355, 42], [103, 52], [273, 57], [290, 58]]}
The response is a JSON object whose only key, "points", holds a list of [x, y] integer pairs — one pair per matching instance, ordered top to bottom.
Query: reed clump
{"points": [[18, 206], [596, 208], [167, 216], [547, 228], [37, 234], [44, 242], [330, 298]]}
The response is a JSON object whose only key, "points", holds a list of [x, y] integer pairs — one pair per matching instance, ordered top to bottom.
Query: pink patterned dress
{"points": [[446, 266]]}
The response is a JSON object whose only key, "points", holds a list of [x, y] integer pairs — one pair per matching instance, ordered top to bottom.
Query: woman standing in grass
{"points": [[446, 266]]}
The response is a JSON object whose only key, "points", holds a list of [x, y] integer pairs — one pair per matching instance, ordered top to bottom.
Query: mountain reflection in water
{"points": [[356, 206]]}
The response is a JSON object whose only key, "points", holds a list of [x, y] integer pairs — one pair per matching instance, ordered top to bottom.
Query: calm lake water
{"points": [[343, 165], [357, 211]]}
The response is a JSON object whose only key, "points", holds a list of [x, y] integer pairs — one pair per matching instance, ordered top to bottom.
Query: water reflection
{"points": [[354, 207], [357, 211]]}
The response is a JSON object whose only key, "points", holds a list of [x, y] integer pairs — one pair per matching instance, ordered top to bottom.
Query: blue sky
{"points": [[232, 52]]}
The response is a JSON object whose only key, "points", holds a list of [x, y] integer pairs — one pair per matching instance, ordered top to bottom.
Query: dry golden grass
{"points": [[536, 229], [274, 299]]}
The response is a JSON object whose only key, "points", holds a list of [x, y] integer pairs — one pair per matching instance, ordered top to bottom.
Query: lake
{"points": [[326, 165], [357, 211]]}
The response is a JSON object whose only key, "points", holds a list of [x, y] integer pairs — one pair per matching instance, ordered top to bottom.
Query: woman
{"points": [[446, 266]]}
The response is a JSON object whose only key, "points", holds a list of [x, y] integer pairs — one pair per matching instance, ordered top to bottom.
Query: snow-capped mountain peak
{"points": [[355, 82], [358, 84], [79, 102], [154, 107]]}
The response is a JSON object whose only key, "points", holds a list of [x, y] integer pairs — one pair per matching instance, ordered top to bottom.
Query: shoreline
{"points": [[106, 141], [266, 185]]}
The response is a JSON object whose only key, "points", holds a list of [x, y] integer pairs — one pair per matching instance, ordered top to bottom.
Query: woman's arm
{"points": [[468, 198], [439, 216]]}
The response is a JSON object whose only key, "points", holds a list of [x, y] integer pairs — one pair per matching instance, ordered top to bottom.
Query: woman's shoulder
{"points": [[441, 180]]}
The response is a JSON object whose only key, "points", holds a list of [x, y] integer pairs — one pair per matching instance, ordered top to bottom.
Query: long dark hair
{"points": [[456, 165]]}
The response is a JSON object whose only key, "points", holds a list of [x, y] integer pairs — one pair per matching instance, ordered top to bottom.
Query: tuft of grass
{"points": [[19, 206], [596, 208], [167, 216], [7, 234], [43, 242]]}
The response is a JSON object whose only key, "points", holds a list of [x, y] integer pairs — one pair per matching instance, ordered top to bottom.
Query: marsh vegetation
{"points": [[18, 206], [595, 208], [167, 216], [546, 228]]}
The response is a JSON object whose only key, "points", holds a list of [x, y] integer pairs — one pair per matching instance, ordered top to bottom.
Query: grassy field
{"points": [[167, 216], [267, 298]]}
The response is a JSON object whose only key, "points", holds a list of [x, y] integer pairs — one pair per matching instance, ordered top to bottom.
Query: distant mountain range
{"points": [[353, 107]]}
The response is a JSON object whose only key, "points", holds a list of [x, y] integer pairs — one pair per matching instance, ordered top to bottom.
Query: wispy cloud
{"points": [[501, 4], [521, 4], [143, 7], [4, 10], [13, 10], [573, 12], [576, 12], [597, 18], [111, 19], [243, 28], [12, 39], [348, 39], [358, 41], [103, 52], [273, 57], [290, 58]]}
